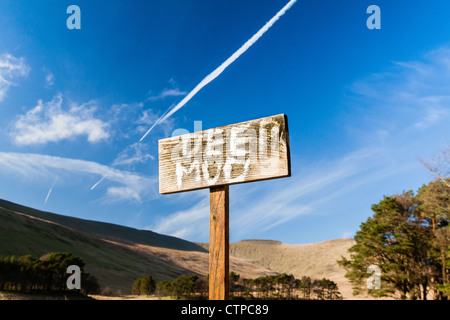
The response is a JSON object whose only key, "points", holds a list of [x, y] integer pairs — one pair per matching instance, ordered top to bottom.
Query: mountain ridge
{"points": [[106, 229]]}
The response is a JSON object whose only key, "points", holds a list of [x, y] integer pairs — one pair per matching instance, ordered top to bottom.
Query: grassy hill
{"points": [[107, 230], [116, 255], [114, 266]]}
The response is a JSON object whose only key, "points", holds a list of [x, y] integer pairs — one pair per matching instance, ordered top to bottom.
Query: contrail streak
{"points": [[222, 67], [213, 75], [98, 182], [49, 192]]}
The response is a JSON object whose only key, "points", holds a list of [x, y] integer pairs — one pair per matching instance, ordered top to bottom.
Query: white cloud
{"points": [[10, 69], [50, 79], [173, 92], [412, 95], [435, 110], [134, 113], [148, 118], [48, 122], [133, 154], [121, 185], [124, 193], [186, 224]]}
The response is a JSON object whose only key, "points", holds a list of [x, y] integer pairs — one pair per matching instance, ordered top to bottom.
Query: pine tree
{"points": [[434, 206], [147, 285], [136, 287]]}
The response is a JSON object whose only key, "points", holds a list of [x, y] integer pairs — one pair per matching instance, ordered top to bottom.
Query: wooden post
{"points": [[243, 152], [219, 243]]}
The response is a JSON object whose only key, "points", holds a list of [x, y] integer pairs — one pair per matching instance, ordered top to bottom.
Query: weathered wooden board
{"points": [[244, 152]]}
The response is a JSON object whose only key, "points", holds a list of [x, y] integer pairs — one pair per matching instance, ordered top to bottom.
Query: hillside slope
{"points": [[107, 230], [317, 260], [115, 262]]}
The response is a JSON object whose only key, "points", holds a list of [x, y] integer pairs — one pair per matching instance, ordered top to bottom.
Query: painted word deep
{"points": [[243, 152]]}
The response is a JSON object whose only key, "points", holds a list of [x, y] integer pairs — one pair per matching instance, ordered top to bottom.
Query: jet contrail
{"points": [[222, 67], [213, 75], [98, 182], [49, 192]]}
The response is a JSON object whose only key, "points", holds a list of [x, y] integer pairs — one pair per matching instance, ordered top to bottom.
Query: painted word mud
{"points": [[243, 152]]}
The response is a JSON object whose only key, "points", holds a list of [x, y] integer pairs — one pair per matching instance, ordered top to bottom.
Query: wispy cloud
{"points": [[11, 68], [213, 75], [49, 79], [173, 92], [411, 95], [435, 109], [149, 117], [49, 122], [138, 152], [132, 155], [122, 185], [124, 193], [187, 224]]}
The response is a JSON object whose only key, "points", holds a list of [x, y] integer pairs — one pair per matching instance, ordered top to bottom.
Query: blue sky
{"points": [[364, 106]]}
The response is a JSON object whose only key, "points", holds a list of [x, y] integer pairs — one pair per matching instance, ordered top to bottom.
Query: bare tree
{"points": [[439, 165]]}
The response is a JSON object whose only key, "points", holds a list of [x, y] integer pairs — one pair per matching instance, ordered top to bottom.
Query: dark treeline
{"points": [[46, 274], [184, 287], [280, 287], [283, 287]]}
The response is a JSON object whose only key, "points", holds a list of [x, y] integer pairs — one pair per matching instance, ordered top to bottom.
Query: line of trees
{"points": [[408, 238], [46, 274], [280, 287], [283, 287]]}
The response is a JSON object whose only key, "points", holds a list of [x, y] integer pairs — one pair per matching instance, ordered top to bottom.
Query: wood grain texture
{"points": [[244, 152], [219, 243]]}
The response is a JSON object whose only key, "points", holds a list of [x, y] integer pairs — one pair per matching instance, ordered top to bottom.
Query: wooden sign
{"points": [[243, 152], [216, 158]]}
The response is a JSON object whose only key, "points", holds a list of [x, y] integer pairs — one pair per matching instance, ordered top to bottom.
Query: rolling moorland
{"points": [[117, 255]]}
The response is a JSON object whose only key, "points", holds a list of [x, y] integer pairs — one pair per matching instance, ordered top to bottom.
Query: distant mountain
{"points": [[114, 254]]}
